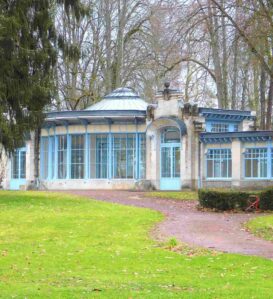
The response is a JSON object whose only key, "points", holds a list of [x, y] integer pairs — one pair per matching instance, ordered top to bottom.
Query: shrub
{"points": [[266, 199], [223, 200], [172, 242]]}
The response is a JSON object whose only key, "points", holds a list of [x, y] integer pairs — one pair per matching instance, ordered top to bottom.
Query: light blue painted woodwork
{"points": [[222, 126], [87, 142], [104, 155], [170, 159], [256, 162], [218, 164], [55, 168], [18, 169], [49, 176], [170, 184]]}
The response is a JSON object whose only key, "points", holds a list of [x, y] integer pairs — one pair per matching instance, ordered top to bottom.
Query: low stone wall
{"points": [[94, 184], [216, 184], [242, 184], [256, 184]]}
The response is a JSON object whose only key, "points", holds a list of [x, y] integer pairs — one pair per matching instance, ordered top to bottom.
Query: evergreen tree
{"points": [[27, 59]]}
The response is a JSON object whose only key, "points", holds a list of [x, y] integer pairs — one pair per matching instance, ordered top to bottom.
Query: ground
{"points": [[219, 231], [63, 246]]}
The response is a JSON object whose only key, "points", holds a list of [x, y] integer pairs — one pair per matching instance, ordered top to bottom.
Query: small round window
{"points": [[170, 135]]}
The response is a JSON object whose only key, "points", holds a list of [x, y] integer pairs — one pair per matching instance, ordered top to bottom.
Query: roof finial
{"points": [[167, 84], [166, 91]]}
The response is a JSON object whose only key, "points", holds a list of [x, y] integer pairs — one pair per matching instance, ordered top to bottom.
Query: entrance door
{"points": [[170, 159], [18, 169]]}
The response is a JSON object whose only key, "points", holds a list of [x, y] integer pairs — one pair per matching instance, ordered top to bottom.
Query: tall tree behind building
{"points": [[27, 58]]}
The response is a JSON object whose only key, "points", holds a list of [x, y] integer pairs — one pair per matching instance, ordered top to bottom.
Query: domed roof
{"points": [[120, 99]]}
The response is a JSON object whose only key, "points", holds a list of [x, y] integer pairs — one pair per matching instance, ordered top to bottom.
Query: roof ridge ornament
{"points": [[166, 91]]}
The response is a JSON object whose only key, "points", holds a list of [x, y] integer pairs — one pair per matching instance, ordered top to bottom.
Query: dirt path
{"points": [[219, 231]]}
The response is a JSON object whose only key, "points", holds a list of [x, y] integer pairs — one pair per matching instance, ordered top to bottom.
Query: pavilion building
{"points": [[123, 142]]}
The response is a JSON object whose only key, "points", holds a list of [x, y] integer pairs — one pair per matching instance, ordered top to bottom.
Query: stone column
{"points": [[236, 155], [186, 167]]}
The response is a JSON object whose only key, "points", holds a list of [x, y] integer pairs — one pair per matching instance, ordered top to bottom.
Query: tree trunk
{"points": [[108, 30], [213, 31], [224, 63], [235, 67], [244, 89], [262, 97], [269, 105], [37, 134]]}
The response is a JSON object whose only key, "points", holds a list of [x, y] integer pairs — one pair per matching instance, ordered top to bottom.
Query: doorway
{"points": [[170, 146]]}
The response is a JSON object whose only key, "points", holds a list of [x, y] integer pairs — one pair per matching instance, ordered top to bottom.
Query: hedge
{"points": [[266, 199], [224, 200]]}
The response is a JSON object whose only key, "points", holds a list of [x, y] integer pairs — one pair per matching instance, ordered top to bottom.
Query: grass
{"points": [[177, 195], [262, 227], [61, 246]]}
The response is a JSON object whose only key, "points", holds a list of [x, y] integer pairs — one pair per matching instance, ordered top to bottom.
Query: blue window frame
{"points": [[221, 126], [62, 156], [77, 156], [255, 162], [271, 162], [219, 163], [18, 164]]}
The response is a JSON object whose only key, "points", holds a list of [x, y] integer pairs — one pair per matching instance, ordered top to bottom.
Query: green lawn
{"points": [[177, 195], [262, 227], [59, 246]]}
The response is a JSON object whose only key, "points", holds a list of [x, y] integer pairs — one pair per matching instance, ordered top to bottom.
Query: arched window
{"points": [[170, 135]]}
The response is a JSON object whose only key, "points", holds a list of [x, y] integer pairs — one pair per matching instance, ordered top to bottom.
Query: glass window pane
{"points": [[219, 127], [170, 135], [52, 149], [101, 152], [62, 156], [77, 156], [119, 156], [124, 156], [130, 156], [142, 156], [44, 157], [166, 162], [176, 162], [255, 162], [272, 162], [219, 163], [18, 164], [15, 165], [23, 165]]}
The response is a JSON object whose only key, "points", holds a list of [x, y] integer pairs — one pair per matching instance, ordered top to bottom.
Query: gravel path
{"points": [[218, 231]]}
